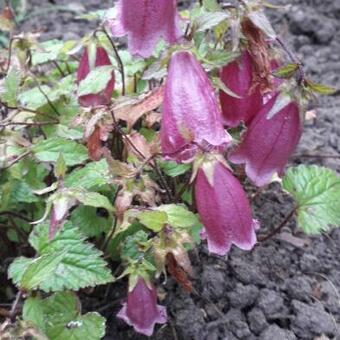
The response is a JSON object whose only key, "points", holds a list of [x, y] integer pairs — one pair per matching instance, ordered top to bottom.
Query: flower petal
{"points": [[145, 22], [238, 77], [190, 110], [268, 143], [224, 209], [141, 310]]}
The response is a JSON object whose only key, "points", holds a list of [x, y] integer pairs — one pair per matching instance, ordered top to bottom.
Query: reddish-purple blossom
{"points": [[145, 22], [102, 59], [238, 77], [191, 113], [268, 142], [224, 209], [141, 310]]}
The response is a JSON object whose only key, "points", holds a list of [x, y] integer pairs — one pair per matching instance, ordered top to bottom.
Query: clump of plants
{"points": [[120, 152]]}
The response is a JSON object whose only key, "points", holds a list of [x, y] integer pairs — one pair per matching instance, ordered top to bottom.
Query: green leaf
{"points": [[211, 5], [209, 20], [260, 20], [48, 51], [286, 71], [96, 81], [10, 87], [319, 88], [34, 99], [48, 150], [60, 167], [174, 169], [94, 174], [316, 191], [14, 192], [93, 199], [179, 216], [154, 220], [88, 221], [131, 248], [81, 264], [39, 270], [59, 317]]}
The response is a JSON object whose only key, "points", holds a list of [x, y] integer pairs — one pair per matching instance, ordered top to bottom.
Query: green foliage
{"points": [[96, 81], [9, 90], [48, 150], [316, 191], [66, 262], [59, 317]]}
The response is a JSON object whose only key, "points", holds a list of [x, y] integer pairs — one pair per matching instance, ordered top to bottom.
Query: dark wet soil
{"points": [[288, 287]]}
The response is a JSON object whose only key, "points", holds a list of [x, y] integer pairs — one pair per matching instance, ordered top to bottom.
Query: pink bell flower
{"points": [[145, 22], [238, 77], [104, 97], [191, 114], [269, 141], [224, 209], [141, 310]]}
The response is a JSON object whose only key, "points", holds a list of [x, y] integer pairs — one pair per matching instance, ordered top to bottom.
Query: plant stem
{"points": [[294, 59], [119, 60], [279, 227], [12, 312]]}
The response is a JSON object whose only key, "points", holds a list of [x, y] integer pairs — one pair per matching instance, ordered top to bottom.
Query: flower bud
{"points": [[145, 23], [102, 59], [238, 77], [191, 114], [269, 141], [224, 209], [141, 310]]}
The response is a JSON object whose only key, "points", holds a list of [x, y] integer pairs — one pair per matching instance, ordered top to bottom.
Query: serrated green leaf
{"points": [[211, 5], [209, 20], [260, 20], [47, 51], [286, 71], [96, 81], [10, 87], [319, 88], [34, 99], [48, 150], [60, 167], [174, 169], [94, 174], [316, 191], [14, 192], [93, 199], [179, 216], [154, 220], [89, 223], [81, 264], [39, 270], [58, 316]]}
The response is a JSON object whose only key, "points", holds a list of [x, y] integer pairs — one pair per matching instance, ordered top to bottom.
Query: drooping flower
{"points": [[145, 22], [101, 59], [238, 77], [190, 110], [269, 141], [224, 209], [141, 310]]}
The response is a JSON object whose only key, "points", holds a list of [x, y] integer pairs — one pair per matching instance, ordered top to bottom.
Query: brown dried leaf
{"points": [[259, 51], [130, 111], [94, 145], [178, 273]]}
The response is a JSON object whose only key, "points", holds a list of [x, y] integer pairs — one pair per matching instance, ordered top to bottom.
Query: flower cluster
{"points": [[194, 130]]}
